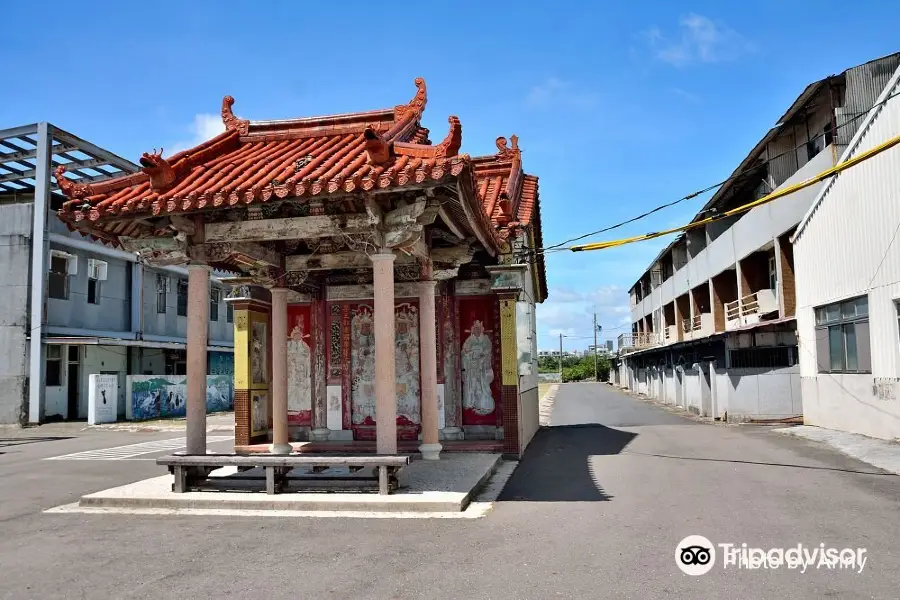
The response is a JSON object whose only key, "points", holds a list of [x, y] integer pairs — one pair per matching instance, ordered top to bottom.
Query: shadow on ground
{"points": [[556, 465]]}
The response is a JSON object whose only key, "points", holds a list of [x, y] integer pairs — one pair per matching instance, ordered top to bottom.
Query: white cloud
{"points": [[700, 39], [556, 92], [686, 95], [204, 128], [571, 313]]}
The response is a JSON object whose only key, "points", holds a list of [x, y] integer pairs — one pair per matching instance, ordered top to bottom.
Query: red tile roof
{"points": [[258, 161]]}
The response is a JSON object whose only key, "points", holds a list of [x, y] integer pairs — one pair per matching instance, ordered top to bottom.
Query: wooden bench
{"points": [[193, 470]]}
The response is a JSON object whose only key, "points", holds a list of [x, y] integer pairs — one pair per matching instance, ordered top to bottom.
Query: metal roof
{"points": [[84, 162]]}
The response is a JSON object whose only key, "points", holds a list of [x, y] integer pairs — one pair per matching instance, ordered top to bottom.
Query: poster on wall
{"points": [[300, 346], [478, 354], [103, 393], [164, 396]]}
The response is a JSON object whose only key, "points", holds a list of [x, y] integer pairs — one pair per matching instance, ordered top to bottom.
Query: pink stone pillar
{"points": [[197, 334], [385, 371], [279, 388], [430, 448]]}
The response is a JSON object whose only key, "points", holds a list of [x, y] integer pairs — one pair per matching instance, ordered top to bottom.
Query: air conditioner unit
{"points": [[96, 269]]}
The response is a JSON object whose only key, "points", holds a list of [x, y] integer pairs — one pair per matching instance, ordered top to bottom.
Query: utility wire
{"points": [[733, 177]]}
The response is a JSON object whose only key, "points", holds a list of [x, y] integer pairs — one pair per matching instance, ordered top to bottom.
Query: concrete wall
{"points": [[846, 247], [15, 256], [113, 313], [169, 324], [763, 393], [692, 395], [529, 417]]}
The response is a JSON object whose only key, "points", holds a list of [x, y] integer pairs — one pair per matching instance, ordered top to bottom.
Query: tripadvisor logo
{"points": [[695, 555]]}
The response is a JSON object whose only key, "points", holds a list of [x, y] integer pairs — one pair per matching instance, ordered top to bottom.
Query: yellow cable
{"points": [[745, 207]]}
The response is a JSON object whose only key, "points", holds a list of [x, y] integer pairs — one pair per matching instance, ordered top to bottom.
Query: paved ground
{"points": [[595, 510]]}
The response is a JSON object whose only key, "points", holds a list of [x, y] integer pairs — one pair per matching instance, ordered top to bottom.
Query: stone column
{"points": [[197, 334], [321, 337], [385, 371], [452, 382], [280, 438], [430, 448]]}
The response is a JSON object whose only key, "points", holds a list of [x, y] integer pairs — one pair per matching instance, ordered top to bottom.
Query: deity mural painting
{"points": [[406, 338], [299, 346], [258, 352], [478, 357], [362, 364], [478, 372], [259, 414]]}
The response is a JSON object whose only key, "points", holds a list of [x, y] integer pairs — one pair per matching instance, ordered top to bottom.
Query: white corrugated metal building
{"points": [[847, 268]]}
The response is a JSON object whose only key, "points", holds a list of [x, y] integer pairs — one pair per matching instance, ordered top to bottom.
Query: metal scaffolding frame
{"points": [[28, 154]]}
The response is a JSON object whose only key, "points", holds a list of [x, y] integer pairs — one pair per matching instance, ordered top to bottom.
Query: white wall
{"points": [[846, 248], [97, 359], [763, 393]]}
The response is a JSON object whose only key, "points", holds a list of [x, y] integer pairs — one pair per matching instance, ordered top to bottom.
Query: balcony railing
{"points": [[749, 309], [632, 342]]}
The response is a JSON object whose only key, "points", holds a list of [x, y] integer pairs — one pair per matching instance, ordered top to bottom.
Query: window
{"points": [[96, 274], [58, 282], [162, 288], [93, 291], [214, 296], [182, 297], [229, 312], [842, 337], [54, 370]]}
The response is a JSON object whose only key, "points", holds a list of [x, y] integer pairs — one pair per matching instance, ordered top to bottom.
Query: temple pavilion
{"points": [[384, 285]]}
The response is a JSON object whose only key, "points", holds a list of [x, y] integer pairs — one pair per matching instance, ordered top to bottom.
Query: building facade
{"points": [[847, 257], [386, 289], [94, 308], [714, 316]]}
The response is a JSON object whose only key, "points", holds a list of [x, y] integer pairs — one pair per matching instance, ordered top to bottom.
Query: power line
{"points": [[733, 177], [750, 205]]}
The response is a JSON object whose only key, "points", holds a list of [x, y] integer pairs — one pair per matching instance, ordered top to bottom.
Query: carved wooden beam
{"points": [[405, 215], [182, 224], [291, 228], [255, 253], [457, 255], [336, 260], [442, 274]]}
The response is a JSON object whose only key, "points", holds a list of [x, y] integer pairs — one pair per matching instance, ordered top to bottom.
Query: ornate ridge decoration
{"points": [[415, 107], [231, 122], [447, 148], [378, 152], [512, 153], [158, 169], [71, 189]]}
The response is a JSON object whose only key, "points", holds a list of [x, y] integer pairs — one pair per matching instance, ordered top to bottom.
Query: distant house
{"points": [[847, 259]]}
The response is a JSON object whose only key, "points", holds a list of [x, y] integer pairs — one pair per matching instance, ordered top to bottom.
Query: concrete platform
{"points": [[444, 486]]}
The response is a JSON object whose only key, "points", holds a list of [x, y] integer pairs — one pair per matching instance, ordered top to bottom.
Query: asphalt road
{"points": [[594, 510]]}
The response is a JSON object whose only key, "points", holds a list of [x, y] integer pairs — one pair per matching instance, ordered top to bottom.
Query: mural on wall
{"points": [[406, 339], [299, 348], [258, 354], [478, 361], [220, 363], [362, 365], [478, 372], [161, 396], [259, 414]]}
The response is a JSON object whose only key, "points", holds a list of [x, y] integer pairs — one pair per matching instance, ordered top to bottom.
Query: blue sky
{"points": [[618, 106]]}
